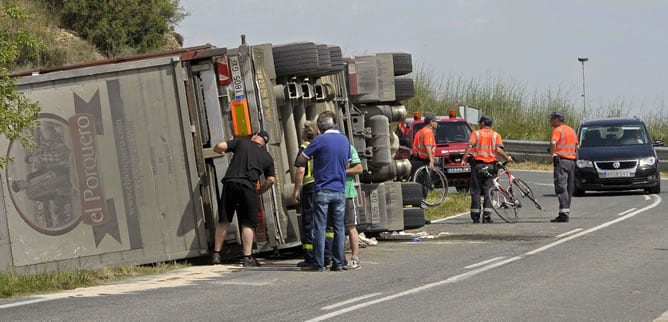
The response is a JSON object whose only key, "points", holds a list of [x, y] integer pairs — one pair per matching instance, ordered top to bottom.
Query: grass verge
{"points": [[13, 285]]}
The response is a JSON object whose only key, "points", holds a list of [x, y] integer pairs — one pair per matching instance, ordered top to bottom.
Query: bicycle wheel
{"points": [[434, 185], [526, 192], [503, 204]]}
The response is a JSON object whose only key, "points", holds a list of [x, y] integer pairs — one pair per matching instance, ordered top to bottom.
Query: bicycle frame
{"points": [[507, 190]]}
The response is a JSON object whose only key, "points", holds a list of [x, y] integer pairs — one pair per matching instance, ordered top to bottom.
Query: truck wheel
{"points": [[336, 57], [296, 59], [324, 61], [403, 63], [404, 88], [411, 193], [413, 218]]}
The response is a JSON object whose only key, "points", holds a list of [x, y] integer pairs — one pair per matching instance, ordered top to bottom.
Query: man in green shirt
{"points": [[350, 219]]}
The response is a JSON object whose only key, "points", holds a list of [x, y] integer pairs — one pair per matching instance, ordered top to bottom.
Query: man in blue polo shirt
{"points": [[330, 152]]}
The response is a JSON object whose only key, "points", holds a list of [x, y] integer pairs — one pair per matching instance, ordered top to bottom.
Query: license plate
{"points": [[458, 170], [617, 174]]}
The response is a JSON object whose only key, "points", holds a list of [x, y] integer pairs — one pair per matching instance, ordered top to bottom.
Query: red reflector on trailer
{"points": [[223, 70]]}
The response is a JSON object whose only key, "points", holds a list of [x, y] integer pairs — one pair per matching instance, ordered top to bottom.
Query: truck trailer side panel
{"points": [[113, 172]]}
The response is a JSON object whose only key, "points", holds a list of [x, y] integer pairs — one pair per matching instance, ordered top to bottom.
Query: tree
{"points": [[118, 26], [17, 113]]}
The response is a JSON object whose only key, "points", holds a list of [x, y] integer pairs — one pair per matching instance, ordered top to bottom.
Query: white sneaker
{"points": [[354, 264]]}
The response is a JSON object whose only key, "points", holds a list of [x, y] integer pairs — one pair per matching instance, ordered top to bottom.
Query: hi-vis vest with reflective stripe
{"points": [[566, 143], [419, 146], [484, 147], [308, 171]]}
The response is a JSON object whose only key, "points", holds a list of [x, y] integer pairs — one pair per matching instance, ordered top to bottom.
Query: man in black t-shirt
{"points": [[240, 192]]}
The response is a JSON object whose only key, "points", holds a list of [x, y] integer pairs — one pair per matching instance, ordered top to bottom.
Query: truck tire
{"points": [[336, 57], [296, 59], [324, 61], [403, 63], [404, 88], [411, 192], [413, 218]]}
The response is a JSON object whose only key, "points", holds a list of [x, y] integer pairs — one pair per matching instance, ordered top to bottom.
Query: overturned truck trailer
{"points": [[124, 169]]}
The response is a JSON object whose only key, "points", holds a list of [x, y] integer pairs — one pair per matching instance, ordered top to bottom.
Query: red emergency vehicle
{"points": [[452, 135]]}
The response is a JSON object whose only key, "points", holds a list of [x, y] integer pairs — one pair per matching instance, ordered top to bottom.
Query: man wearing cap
{"points": [[424, 143], [484, 145], [563, 146], [240, 192]]}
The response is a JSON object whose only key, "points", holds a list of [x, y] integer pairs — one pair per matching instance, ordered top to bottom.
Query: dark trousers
{"points": [[416, 163], [564, 183], [480, 184], [307, 223]]}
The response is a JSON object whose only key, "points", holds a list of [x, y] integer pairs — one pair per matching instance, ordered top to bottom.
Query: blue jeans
{"points": [[324, 201]]}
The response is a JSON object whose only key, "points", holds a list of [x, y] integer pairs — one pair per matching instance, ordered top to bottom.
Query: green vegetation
{"points": [[120, 27], [39, 34], [16, 112], [518, 115], [455, 203], [13, 285]]}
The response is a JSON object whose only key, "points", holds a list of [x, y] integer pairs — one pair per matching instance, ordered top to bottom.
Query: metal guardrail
{"points": [[537, 150]]}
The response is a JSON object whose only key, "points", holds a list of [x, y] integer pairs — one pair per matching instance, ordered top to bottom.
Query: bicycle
{"points": [[434, 185], [503, 198]]}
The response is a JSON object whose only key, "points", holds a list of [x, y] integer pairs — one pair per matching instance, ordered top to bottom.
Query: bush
{"points": [[115, 26]]}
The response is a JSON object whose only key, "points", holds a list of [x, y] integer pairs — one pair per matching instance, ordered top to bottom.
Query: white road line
{"points": [[541, 184], [626, 212], [448, 218], [591, 230], [569, 233], [485, 262], [461, 277], [177, 278], [453, 279], [335, 305], [6, 306], [662, 318]]}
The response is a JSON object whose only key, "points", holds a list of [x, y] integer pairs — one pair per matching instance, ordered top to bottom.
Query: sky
{"points": [[534, 44]]}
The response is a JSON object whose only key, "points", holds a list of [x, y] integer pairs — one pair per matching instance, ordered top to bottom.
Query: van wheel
{"points": [[654, 190], [578, 192]]}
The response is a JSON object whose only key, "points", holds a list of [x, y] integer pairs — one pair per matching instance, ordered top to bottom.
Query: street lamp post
{"points": [[584, 99]]}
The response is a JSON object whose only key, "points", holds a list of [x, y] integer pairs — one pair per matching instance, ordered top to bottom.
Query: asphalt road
{"points": [[607, 264]]}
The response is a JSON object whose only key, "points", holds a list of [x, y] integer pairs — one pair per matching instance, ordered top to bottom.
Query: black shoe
{"points": [[560, 218], [476, 220], [487, 220], [216, 259], [250, 261], [304, 264], [336, 268], [312, 269]]}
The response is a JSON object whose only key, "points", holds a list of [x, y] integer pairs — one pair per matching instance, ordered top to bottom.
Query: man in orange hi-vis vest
{"points": [[424, 143], [484, 145], [563, 146]]}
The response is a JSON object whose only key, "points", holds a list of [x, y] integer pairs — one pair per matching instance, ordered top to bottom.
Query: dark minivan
{"points": [[616, 154]]}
